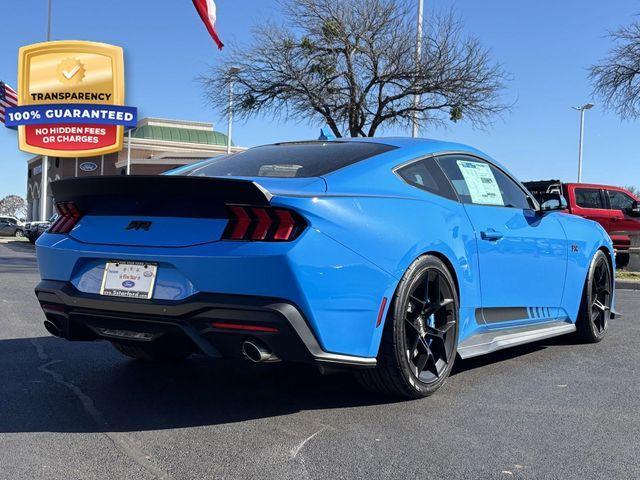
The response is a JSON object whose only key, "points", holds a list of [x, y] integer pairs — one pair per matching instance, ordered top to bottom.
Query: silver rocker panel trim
{"points": [[487, 342]]}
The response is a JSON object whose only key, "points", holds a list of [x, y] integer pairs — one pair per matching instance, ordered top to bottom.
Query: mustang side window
{"points": [[426, 175], [480, 183]]}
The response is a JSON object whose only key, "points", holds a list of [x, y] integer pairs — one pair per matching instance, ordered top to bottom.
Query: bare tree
{"points": [[352, 65], [616, 79], [633, 190], [13, 206]]}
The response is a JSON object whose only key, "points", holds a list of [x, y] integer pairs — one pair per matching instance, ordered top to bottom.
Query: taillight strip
{"points": [[69, 217], [266, 224], [241, 225]]}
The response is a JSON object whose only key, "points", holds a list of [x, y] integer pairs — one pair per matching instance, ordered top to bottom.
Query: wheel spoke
{"points": [[418, 300], [600, 306], [435, 307], [413, 325], [413, 352], [422, 362], [432, 366]]}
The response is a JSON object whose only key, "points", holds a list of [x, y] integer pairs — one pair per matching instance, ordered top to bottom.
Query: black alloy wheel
{"points": [[601, 295], [597, 297], [429, 321], [420, 337]]}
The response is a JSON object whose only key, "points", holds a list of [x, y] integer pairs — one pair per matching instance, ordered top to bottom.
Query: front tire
{"points": [[19, 234], [595, 309], [419, 342]]}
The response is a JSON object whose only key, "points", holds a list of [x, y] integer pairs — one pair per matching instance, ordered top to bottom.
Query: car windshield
{"points": [[307, 159]]}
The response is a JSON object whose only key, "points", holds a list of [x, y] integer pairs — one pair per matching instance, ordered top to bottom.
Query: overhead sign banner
{"points": [[71, 99]]}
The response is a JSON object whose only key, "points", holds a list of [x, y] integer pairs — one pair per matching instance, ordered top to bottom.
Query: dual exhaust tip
{"points": [[52, 328], [257, 352]]}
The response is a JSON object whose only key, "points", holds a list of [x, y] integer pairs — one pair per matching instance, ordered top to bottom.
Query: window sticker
{"points": [[481, 182]]}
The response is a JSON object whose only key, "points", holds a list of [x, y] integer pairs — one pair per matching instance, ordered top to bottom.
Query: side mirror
{"points": [[552, 202], [634, 211]]}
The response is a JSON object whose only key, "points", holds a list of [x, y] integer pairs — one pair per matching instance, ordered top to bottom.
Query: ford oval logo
{"points": [[88, 167], [128, 284]]}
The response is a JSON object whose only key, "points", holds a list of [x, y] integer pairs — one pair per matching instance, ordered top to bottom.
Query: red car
{"points": [[615, 208]]}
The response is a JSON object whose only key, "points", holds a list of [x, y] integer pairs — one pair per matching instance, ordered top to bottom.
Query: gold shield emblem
{"points": [[67, 74]]}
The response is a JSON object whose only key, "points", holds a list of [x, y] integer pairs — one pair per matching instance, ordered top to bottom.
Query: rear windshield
{"points": [[309, 159]]}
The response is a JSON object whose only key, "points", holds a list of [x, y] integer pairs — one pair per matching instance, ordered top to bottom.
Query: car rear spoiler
{"points": [[158, 195]]}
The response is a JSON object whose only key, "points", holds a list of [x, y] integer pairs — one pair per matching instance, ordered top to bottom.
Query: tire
{"points": [[19, 234], [622, 260], [595, 307], [402, 351], [150, 352]]}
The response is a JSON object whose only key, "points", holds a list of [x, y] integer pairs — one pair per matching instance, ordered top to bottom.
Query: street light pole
{"points": [[49, 23], [233, 71], [416, 98], [582, 109], [44, 186]]}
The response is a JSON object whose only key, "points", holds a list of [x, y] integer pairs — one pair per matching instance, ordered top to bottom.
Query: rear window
{"points": [[309, 159]]}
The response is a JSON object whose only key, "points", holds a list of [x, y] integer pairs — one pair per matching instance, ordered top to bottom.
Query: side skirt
{"points": [[487, 342]]}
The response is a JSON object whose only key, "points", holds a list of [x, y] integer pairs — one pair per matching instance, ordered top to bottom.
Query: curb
{"points": [[627, 285]]}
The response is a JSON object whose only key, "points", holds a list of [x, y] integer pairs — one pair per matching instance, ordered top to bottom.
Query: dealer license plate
{"points": [[129, 279]]}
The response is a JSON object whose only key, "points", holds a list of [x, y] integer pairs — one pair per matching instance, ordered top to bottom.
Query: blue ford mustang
{"points": [[389, 256]]}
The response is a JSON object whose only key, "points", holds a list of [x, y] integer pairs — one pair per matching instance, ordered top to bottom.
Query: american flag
{"points": [[8, 98]]}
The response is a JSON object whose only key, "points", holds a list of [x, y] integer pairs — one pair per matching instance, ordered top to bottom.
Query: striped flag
{"points": [[207, 11], [8, 98]]}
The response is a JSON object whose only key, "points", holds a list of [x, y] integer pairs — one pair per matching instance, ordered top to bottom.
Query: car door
{"points": [[589, 202], [619, 204], [5, 226], [522, 253]]}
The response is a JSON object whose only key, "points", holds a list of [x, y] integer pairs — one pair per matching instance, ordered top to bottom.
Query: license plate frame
{"points": [[129, 279]]}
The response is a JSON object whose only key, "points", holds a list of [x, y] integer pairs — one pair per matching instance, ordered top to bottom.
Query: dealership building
{"points": [[153, 147]]}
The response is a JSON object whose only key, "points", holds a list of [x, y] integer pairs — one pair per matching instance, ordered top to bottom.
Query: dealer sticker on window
{"points": [[481, 182], [129, 279]]}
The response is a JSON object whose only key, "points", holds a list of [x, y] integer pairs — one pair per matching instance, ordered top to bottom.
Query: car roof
{"points": [[426, 144], [416, 147], [597, 185]]}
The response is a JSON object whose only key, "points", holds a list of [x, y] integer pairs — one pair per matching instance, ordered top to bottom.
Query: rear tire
{"points": [[595, 308], [419, 342], [150, 352]]}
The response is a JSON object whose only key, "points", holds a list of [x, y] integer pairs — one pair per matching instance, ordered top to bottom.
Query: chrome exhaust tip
{"points": [[52, 328], [258, 353]]}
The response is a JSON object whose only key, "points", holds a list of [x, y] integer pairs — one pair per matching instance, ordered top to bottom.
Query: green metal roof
{"points": [[177, 134]]}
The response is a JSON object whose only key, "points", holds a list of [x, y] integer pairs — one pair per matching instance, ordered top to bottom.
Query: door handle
{"points": [[491, 235]]}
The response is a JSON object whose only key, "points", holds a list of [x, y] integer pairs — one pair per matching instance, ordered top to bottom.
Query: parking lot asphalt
{"points": [[553, 409]]}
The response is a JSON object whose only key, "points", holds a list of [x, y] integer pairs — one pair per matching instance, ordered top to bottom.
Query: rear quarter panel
{"points": [[391, 229]]}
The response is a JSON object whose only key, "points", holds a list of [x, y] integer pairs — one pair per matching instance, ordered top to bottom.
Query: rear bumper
{"points": [[190, 323]]}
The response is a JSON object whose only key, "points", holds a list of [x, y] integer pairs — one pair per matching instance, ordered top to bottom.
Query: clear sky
{"points": [[546, 45]]}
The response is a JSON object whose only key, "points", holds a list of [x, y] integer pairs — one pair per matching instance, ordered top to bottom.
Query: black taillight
{"points": [[69, 217], [263, 224]]}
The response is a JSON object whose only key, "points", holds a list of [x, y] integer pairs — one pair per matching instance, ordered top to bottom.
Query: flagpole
{"points": [[416, 98]]}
